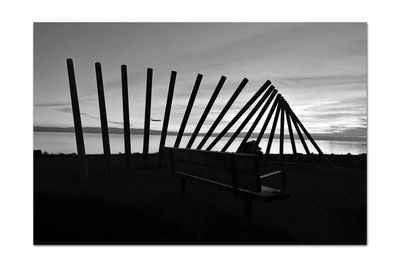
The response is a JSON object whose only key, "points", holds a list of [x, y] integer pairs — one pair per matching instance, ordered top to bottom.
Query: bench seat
{"points": [[235, 172]]}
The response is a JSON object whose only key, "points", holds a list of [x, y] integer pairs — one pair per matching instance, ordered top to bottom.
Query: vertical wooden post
{"points": [[125, 106], [188, 109], [206, 111], [241, 112], [222, 113], [166, 116], [147, 117], [248, 117], [103, 118], [264, 127], [282, 131], [290, 132], [271, 135], [80, 145]]}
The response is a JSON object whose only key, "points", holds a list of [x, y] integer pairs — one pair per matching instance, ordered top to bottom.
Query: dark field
{"points": [[144, 206]]}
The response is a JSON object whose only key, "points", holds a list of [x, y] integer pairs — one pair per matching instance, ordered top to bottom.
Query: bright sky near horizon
{"points": [[320, 69]]}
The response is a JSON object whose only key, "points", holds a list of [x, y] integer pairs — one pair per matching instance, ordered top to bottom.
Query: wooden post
{"points": [[125, 106], [188, 109], [206, 111], [241, 112], [222, 113], [166, 116], [259, 116], [147, 117], [248, 117], [103, 118], [264, 127], [282, 131], [290, 132], [271, 135], [308, 135], [303, 142], [80, 145]]}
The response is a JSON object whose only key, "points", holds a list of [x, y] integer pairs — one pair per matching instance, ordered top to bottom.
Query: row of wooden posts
{"points": [[267, 92]]}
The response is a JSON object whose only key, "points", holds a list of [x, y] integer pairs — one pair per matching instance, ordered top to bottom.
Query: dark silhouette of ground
{"points": [[328, 206]]}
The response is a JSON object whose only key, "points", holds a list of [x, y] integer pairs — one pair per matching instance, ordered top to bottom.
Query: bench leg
{"points": [[183, 185], [248, 211]]}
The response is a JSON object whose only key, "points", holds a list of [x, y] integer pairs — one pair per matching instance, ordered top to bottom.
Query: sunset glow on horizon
{"points": [[320, 69]]}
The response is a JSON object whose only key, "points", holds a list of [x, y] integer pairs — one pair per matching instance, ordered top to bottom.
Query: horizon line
{"points": [[117, 130]]}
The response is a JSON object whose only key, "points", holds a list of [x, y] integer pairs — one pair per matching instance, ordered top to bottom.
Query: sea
{"points": [[64, 142]]}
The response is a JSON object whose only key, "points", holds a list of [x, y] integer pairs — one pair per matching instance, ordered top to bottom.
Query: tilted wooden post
{"points": [[125, 106], [188, 109], [206, 111], [241, 112], [222, 113], [166, 116], [147, 117], [248, 117], [103, 118], [296, 119], [257, 120], [264, 127], [282, 131], [290, 132], [271, 135], [303, 142], [80, 145]]}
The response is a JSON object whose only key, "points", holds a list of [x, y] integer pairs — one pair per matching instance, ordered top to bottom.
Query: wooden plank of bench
{"points": [[207, 158], [244, 162], [219, 167], [217, 175], [267, 194]]}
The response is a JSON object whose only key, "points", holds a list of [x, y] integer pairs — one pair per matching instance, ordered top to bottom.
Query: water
{"points": [[54, 142]]}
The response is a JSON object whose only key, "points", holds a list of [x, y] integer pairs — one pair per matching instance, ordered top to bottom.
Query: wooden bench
{"points": [[238, 173]]}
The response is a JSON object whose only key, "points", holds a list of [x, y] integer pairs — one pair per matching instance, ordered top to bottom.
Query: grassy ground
{"points": [[144, 206]]}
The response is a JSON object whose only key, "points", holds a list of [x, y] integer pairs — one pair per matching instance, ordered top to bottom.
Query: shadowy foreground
{"points": [[144, 206]]}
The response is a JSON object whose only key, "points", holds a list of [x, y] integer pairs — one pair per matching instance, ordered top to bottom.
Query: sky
{"points": [[320, 69]]}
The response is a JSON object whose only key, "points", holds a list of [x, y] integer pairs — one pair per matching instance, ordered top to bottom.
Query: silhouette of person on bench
{"points": [[246, 148]]}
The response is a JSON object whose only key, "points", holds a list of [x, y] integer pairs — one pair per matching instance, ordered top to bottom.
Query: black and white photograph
{"points": [[167, 133], [212, 133]]}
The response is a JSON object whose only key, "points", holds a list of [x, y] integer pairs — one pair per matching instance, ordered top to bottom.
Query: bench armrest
{"points": [[283, 178]]}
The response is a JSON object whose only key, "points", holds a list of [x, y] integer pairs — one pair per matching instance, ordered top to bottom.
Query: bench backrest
{"points": [[233, 169]]}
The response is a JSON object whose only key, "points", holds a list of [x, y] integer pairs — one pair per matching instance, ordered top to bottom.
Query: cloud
{"points": [[320, 69], [324, 80], [85, 98], [52, 104], [69, 110]]}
